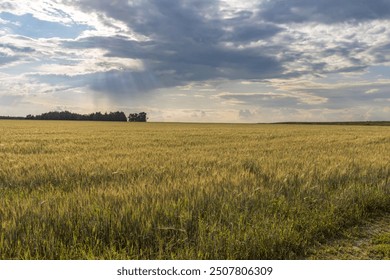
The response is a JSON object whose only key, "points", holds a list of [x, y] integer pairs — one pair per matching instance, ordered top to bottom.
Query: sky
{"points": [[198, 60]]}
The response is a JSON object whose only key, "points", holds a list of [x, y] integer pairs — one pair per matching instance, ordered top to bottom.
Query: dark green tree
{"points": [[138, 117]]}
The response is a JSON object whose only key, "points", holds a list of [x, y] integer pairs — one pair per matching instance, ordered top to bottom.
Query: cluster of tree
{"points": [[66, 115], [112, 116], [138, 117], [10, 118]]}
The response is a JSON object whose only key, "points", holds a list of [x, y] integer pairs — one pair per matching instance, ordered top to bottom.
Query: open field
{"points": [[97, 190]]}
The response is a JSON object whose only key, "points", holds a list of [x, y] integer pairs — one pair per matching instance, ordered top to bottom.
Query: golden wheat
{"points": [[97, 190]]}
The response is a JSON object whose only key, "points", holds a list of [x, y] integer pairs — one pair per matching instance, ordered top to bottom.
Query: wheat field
{"points": [[100, 190]]}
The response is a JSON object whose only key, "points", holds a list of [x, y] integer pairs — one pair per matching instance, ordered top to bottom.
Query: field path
{"points": [[367, 242]]}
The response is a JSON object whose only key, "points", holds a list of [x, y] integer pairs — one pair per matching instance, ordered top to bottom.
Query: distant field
{"points": [[373, 123], [97, 190]]}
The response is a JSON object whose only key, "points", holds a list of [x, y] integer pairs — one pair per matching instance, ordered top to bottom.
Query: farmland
{"points": [[97, 190]]}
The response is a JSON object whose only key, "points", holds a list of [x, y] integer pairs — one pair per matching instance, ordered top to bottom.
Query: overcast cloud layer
{"points": [[198, 60]]}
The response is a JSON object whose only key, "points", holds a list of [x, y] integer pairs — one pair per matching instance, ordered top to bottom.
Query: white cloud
{"points": [[230, 8], [53, 11], [68, 13], [2, 21], [330, 48], [93, 61], [310, 84], [21, 85], [197, 87], [370, 91], [257, 99], [193, 115]]}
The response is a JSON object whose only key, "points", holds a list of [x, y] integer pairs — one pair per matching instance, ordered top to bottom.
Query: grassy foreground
{"points": [[94, 190]]}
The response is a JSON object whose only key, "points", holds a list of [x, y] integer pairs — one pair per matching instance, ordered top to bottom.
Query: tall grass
{"points": [[86, 190]]}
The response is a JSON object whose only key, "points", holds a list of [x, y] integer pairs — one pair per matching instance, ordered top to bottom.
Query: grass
{"points": [[95, 190], [381, 246]]}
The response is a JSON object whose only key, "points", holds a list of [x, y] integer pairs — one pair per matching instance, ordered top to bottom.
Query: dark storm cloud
{"points": [[326, 11], [163, 19], [252, 32], [187, 41], [176, 63]]}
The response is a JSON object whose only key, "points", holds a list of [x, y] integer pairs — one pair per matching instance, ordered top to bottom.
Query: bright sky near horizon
{"points": [[198, 60]]}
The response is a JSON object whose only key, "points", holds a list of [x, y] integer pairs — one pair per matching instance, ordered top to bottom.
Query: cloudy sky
{"points": [[198, 60]]}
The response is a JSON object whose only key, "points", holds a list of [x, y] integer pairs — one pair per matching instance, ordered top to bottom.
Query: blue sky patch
{"points": [[29, 26]]}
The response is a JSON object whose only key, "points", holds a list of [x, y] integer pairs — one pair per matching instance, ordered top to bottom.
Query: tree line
{"points": [[98, 116], [11, 118]]}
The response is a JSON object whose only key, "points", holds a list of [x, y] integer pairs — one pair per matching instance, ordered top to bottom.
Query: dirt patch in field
{"points": [[370, 241]]}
